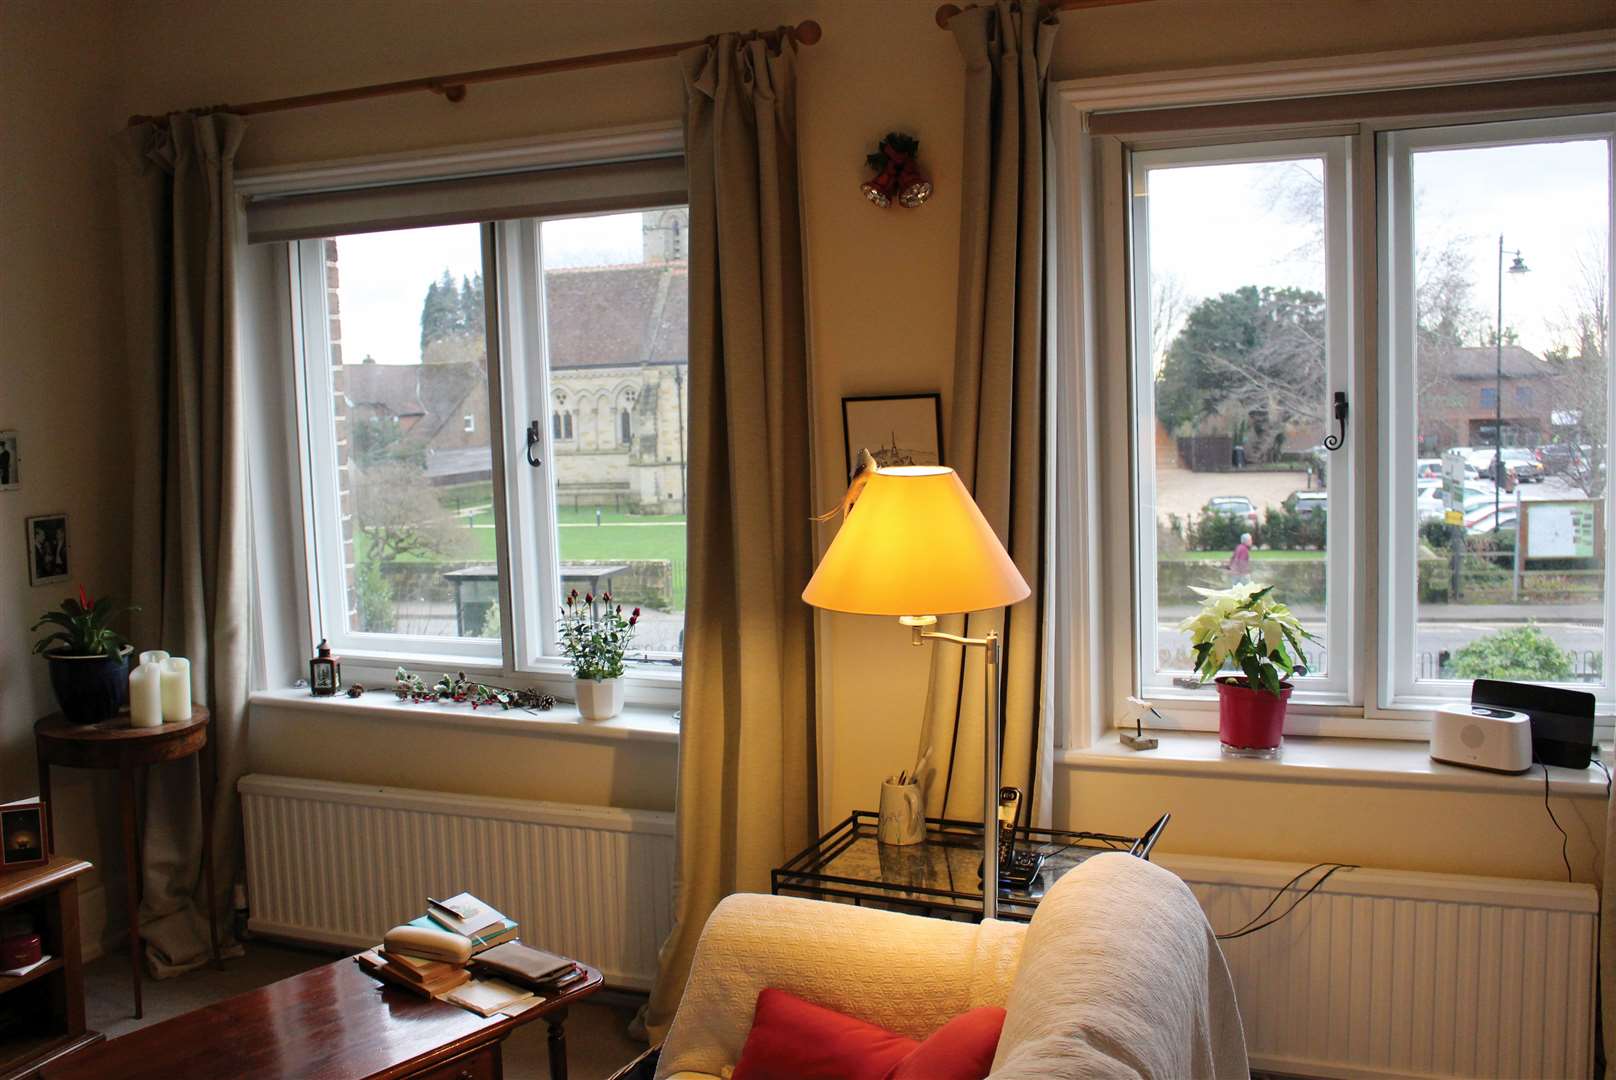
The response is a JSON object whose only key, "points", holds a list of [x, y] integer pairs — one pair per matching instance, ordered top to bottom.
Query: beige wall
{"points": [[881, 308], [60, 376]]}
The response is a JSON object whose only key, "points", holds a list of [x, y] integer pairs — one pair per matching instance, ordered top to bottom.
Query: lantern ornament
{"points": [[325, 672]]}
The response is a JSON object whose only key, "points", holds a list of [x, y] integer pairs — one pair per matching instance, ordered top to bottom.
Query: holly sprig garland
{"points": [[457, 688]]}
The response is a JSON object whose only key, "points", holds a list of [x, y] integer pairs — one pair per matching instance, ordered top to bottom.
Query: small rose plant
{"points": [[1245, 628], [596, 644]]}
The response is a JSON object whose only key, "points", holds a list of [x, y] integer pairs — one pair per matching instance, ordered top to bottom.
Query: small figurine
{"points": [[325, 672], [356, 690]]}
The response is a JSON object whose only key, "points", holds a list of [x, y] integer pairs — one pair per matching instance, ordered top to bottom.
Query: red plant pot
{"points": [[1251, 723]]}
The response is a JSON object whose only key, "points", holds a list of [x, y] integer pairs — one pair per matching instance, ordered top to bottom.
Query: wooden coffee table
{"points": [[330, 1023]]}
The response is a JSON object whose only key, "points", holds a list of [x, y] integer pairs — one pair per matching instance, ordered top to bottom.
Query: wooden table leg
{"points": [[207, 775], [50, 805], [132, 873], [557, 1044]]}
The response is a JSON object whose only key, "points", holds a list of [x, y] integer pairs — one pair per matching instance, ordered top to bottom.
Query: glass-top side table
{"points": [[938, 878]]}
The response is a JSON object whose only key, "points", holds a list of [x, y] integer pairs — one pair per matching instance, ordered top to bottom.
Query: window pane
{"points": [[616, 294], [1231, 316], [409, 400], [1511, 427]]}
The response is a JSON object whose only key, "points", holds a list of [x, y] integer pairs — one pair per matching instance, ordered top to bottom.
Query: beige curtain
{"points": [[998, 431], [188, 473], [747, 785], [1607, 945]]}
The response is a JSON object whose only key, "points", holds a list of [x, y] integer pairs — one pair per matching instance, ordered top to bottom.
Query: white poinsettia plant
{"points": [[1244, 627]]}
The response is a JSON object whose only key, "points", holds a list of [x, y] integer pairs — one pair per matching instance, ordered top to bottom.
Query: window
{"points": [[1489, 220], [1253, 256], [1240, 319], [429, 541]]}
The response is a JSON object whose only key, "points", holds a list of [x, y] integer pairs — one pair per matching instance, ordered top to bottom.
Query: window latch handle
{"points": [[535, 435], [1333, 442]]}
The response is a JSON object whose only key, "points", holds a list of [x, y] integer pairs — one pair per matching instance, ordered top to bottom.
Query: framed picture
{"points": [[899, 429], [10, 462], [47, 549], [22, 834]]}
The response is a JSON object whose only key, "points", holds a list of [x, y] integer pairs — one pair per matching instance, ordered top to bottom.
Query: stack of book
{"points": [[469, 917], [428, 978]]}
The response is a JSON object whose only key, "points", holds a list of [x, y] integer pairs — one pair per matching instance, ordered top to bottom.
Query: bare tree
{"points": [[1168, 306], [1581, 359], [397, 514]]}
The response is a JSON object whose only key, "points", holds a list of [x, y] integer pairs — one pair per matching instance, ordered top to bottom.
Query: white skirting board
{"points": [[340, 864], [1386, 973]]}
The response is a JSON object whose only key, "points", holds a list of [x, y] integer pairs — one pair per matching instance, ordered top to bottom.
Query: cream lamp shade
{"points": [[915, 544]]}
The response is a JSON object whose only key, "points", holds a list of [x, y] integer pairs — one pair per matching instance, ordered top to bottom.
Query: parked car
{"points": [[1557, 458], [1523, 465], [1428, 468], [1428, 501], [1307, 503], [1235, 506], [1486, 521]]}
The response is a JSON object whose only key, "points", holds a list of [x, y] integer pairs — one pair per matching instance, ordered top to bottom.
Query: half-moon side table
{"points": [[114, 744]]}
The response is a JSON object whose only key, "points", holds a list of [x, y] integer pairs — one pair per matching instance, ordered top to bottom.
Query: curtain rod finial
{"points": [[944, 13], [807, 32]]}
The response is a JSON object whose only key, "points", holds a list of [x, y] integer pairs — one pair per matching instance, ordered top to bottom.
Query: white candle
{"points": [[153, 656], [176, 689], [146, 696]]}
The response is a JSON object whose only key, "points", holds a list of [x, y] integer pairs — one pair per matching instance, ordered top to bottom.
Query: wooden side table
{"points": [[114, 744]]}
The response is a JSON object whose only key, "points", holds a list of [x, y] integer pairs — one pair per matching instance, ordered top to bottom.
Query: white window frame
{"points": [[510, 266], [1092, 514], [1338, 686], [1401, 687]]}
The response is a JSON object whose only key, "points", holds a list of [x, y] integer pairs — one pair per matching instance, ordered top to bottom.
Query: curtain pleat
{"points": [[998, 431], [189, 548], [747, 793]]}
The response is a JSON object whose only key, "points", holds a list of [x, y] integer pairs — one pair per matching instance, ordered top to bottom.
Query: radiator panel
{"points": [[340, 864], [1388, 973]]}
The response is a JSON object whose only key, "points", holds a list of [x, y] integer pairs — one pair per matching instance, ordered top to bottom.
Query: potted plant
{"points": [[1245, 629], [595, 645], [89, 661]]}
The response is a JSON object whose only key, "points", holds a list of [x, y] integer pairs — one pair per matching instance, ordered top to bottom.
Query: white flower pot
{"points": [[599, 699]]}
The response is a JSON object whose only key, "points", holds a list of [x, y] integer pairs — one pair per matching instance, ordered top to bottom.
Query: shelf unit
{"points": [[42, 1012]]}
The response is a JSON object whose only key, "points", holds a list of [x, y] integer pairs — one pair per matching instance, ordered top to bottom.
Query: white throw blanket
{"points": [[1118, 975]]}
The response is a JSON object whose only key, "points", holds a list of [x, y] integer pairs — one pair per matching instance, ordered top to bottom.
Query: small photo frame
{"points": [[898, 429], [10, 461], [47, 548], [22, 834]]}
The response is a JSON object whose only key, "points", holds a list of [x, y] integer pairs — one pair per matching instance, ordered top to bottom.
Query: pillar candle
{"points": [[153, 656], [176, 689], [146, 696]]}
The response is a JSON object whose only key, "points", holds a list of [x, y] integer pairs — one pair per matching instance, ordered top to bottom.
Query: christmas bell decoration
{"points": [[898, 175]]}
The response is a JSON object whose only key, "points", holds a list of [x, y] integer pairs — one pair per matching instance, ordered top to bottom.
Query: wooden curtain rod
{"points": [[948, 11], [453, 86]]}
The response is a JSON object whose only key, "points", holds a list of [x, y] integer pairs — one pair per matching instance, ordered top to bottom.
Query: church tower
{"points": [[665, 235]]}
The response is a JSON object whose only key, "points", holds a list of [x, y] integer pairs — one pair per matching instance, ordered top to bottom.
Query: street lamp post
{"points": [[1517, 267], [679, 400]]}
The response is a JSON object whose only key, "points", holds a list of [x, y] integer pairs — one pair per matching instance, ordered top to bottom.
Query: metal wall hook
{"points": [[535, 436], [1333, 442]]}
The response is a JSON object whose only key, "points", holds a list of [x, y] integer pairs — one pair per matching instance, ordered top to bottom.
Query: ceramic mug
{"points": [[903, 814]]}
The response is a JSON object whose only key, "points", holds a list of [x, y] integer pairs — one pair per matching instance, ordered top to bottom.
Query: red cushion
{"points": [[793, 1039], [961, 1049]]}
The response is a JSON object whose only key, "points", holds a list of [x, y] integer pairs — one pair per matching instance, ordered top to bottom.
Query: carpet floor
{"points": [[597, 1031]]}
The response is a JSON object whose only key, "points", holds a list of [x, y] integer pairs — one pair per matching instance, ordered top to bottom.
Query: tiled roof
{"points": [[617, 315], [1481, 362]]}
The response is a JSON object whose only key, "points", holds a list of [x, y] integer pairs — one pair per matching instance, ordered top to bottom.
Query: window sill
{"points": [[634, 723], [1314, 760]]}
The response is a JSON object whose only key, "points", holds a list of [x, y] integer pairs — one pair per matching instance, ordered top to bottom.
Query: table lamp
{"points": [[915, 546]]}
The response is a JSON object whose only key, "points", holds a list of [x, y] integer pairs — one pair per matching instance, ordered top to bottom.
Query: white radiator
{"points": [[339, 864], [1389, 973]]}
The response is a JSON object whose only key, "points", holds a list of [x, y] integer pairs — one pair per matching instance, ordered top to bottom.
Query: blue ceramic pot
{"points": [[90, 689]]}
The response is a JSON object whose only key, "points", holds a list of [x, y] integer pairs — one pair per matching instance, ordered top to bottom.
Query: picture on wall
{"points": [[898, 429], [10, 462], [47, 549], [22, 834]]}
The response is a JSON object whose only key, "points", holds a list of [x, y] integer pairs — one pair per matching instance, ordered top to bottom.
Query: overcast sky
{"points": [[1215, 227], [384, 275]]}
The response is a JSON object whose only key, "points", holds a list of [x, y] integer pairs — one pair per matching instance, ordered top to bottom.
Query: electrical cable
{"points": [[1606, 771], [1565, 840], [1253, 925]]}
